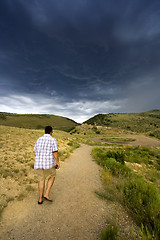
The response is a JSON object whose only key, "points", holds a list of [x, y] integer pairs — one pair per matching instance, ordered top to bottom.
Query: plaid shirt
{"points": [[44, 148]]}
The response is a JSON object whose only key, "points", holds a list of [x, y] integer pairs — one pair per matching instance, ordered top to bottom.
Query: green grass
{"points": [[37, 121], [147, 122], [149, 156], [133, 190], [142, 199], [110, 233]]}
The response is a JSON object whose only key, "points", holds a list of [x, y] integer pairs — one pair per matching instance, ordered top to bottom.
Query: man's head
{"points": [[48, 130]]}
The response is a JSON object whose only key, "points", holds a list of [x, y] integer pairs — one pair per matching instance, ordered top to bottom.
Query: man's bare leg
{"points": [[41, 185], [49, 185]]}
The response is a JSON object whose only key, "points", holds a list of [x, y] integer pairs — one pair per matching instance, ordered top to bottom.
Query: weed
{"points": [[31, 165], [16, 170], [29, 188], [105, 195], [21, 196], [110, 233]]}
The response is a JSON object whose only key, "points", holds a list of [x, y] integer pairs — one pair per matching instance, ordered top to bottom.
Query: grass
{"points": [[36, 121], [147, 122], [119, 140], [17, 159], [125, 171], [133, 190], [142, 199], [110, 233]]}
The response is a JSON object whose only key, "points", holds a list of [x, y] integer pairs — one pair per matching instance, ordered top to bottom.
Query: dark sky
{"points": [[78, 58]]}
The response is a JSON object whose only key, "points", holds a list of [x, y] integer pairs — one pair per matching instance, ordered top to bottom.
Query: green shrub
{"points": [[98, 132], [155, 134], [70, 143], [73, 144], [140, 154], [101, 155], [118, 156], [114, 161], [117, 168], [143, 200], [110, 233]]}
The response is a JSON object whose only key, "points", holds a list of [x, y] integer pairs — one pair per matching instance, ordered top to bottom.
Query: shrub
{"points": [[73, 145], [102, 155], [139, 155], [118, 156], [114, 161], [116, 168], [143, 200], [110, 233]]}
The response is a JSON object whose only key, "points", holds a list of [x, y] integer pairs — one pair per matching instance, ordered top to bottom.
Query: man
{"points": [[46, 162]]}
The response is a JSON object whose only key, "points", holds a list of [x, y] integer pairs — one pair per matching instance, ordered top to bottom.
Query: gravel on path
{"points": [[75, 213]]}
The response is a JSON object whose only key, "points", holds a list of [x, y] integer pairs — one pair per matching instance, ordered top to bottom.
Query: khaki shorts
{"points": [[43, 174]]}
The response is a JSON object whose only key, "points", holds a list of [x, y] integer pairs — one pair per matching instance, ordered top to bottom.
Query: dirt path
{"points": [[141, 140], [76, 212]]}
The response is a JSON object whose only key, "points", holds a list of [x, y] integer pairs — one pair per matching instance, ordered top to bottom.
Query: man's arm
{"points": [[55, 154]]}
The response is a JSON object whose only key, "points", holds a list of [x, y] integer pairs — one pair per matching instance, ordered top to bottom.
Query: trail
{"points": [[140, 140], [75, 213]]}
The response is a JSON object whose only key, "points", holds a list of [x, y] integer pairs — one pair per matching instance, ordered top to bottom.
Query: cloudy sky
{"points": [[78, 58]]}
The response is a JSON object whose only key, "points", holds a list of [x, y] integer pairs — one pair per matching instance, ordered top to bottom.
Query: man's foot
{"points": [[48, 199], [40, 202]]}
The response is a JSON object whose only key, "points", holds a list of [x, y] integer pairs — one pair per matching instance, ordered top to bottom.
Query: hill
{"points": [[36, 121], [145, 122]]}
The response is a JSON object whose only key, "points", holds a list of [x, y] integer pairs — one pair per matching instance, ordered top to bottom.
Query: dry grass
{"points": [[17, 175]]}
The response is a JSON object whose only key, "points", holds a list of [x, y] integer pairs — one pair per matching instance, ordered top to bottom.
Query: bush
{"points": [[102, 155], [139, 155], [118, 156], [114, 161], [117, 168], [143, 200], [110, 233]]}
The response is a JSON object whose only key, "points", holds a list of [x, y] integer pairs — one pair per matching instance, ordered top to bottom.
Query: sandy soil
{"points": [[140, 140], [143, 141], [76, 212]]}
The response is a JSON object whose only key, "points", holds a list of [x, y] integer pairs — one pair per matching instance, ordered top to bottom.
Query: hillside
{"points": [[36, 121], [145, 122]]}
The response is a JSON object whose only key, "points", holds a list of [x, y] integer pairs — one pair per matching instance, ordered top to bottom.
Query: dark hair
{"points": [[48, 129]]}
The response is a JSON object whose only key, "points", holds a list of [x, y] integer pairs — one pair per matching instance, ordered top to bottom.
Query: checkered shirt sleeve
{"points": [[44, 148]]}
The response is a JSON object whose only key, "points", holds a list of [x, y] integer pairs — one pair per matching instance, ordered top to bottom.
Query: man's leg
{"points": [[41, 185], [49, 185]]}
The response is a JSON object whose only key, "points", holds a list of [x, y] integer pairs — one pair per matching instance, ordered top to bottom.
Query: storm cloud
{"points": [[79, 58]]}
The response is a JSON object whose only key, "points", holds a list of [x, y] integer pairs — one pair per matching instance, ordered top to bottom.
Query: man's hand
{"points": [[55, 154], [58, 165]]}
